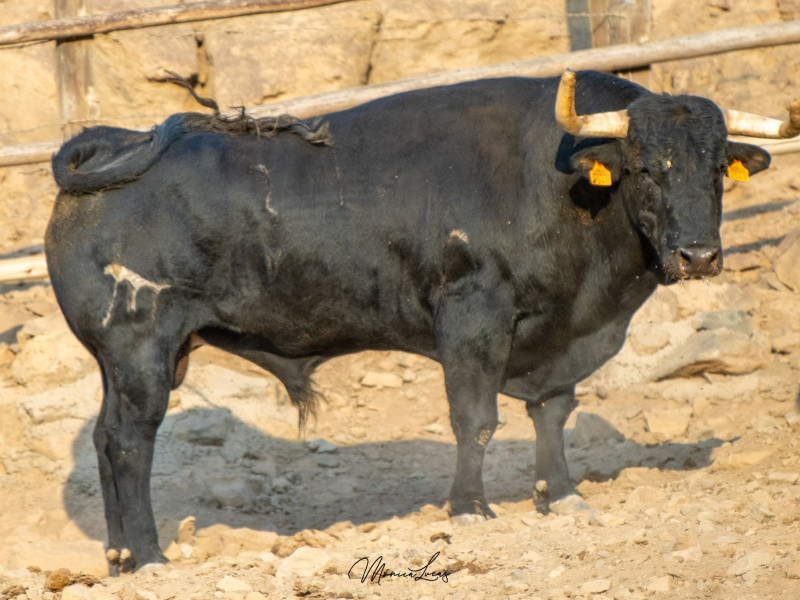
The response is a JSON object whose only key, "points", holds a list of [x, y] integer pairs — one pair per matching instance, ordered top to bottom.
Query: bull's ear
{"points": [[608, 155], [754, 158]]}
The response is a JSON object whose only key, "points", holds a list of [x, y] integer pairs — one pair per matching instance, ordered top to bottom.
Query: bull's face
{"points": [[667, 158], [669, 172]]}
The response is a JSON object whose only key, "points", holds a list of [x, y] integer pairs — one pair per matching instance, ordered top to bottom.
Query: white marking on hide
{"points": [[267, 203], [462, 235], [123, 274], [483, 437]]}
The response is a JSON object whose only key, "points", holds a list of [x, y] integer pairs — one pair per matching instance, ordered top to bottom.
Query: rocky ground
{"points": [[685, 447]]}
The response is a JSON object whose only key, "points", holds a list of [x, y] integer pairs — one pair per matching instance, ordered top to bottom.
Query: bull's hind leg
{"points": [[474, 324], [138, 375], [110, 500]]}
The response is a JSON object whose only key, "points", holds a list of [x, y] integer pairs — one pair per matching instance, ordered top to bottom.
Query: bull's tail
{"points": [[102, 157]]}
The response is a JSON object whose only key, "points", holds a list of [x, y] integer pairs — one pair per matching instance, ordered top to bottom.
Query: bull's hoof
{"points": [[560, 501], [473, 511], [467, 519], [126, 561]]}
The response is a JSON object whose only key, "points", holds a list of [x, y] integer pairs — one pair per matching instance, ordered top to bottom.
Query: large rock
{"points": [[438, 35], [261, 58], [129, 67], [787, 260], [717, 351], [50, 355], [77, 400], [667, 424], [204, 428], [591, 429], [233, 492], [303, 562], [750, 562]]}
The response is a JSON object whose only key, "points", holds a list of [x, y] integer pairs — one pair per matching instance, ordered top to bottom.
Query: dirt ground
{"points": [[691, 475]]}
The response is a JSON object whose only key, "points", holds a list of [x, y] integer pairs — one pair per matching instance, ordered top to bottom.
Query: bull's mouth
{"points": [[693, 262]]}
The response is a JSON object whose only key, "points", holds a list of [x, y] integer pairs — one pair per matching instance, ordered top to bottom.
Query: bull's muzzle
{"points": [[698, 261]]}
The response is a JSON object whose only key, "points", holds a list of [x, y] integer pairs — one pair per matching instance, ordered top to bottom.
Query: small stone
{"points": [[723, 319], [647, 339], [786, 343], [381, 380], [667, 424], [204, 428], [434, 428], [358, 432], [321, 446], [733, 460], [327, 461], [266, 467], [790, 478], [280, 485], [232, 492], [644, 497], [569, 505], [610, 520], [186, 530], [694, 554], [531, 557], [303, 562], [750, 562], [792, 570], [557, 572], [58, 580], [230, 584], [659, 584], [596, 586], [515, 587], [76, 592], [100, 592], [145, 595], [255, 596]]}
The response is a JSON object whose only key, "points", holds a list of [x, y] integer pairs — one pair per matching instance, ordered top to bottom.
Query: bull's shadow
{"points": [[245, 478]]}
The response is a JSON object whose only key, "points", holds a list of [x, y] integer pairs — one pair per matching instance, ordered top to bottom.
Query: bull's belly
{"points": [[535, 376]]}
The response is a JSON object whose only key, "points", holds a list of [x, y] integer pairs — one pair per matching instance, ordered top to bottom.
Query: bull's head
{"points": [[668, 162]]}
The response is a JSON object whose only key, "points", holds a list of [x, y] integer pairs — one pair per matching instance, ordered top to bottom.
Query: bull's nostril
{"points": [[685, 257]]}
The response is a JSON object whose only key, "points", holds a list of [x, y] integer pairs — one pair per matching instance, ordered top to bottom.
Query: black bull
{"points": [[457, 223]]}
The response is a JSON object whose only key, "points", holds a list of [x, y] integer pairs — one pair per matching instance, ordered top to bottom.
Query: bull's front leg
{"points": [[474, 327], [552, 474]]}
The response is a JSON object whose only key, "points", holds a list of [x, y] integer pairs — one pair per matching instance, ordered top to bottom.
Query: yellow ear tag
{"points": [[737, 171], [600, 175]]}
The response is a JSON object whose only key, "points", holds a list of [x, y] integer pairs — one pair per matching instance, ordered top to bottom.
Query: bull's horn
{"points": [[742, 123], [608, 124]]}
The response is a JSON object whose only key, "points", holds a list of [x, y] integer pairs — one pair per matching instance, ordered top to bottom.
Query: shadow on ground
{"points": [[254, 480]]}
